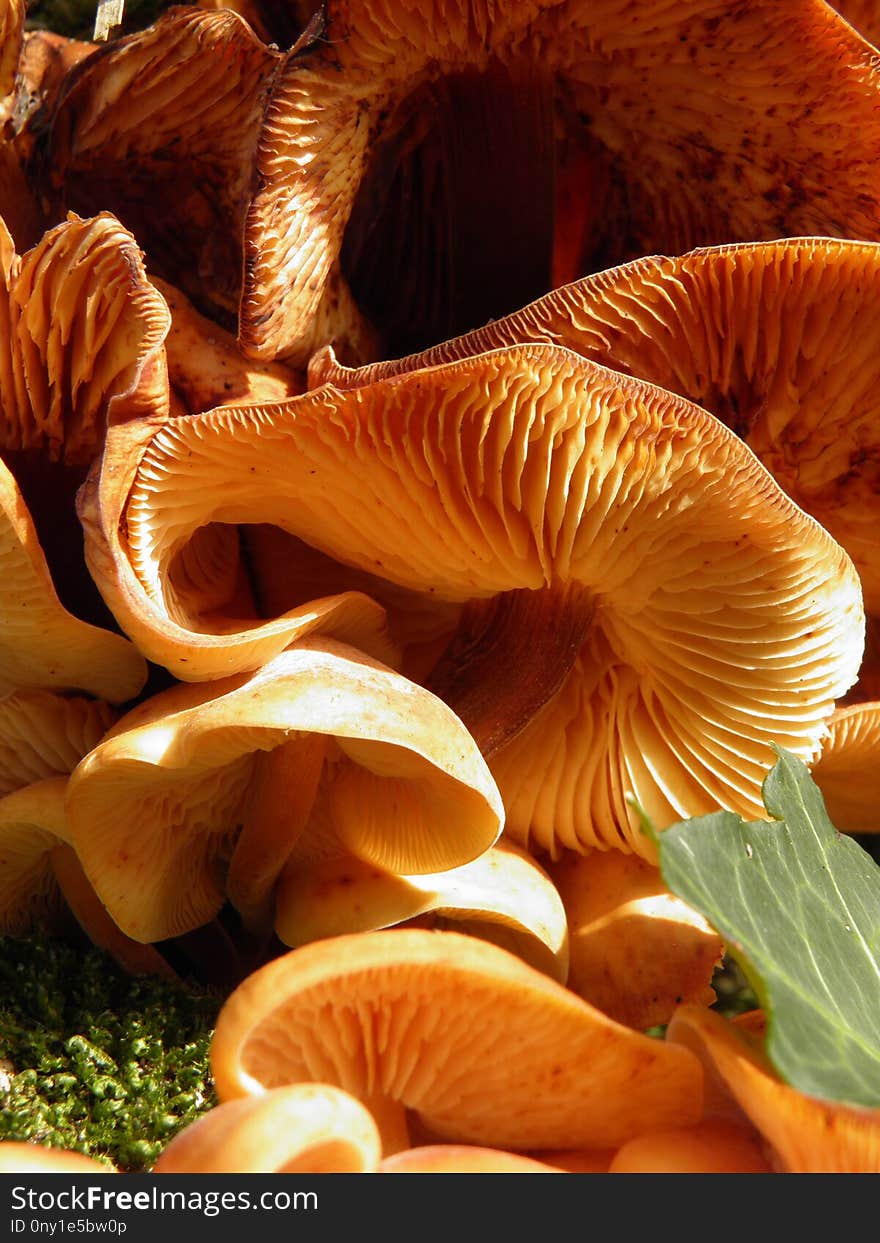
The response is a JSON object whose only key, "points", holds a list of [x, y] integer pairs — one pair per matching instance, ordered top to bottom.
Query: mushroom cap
{"points": [[770, 106], [159, 127], [779, 340], [716, 617], [201, 621], [41, 643], [847, 771], [404, 785], [503, 893], [636, 951], [482, 1047], [310, 1128], [808, 1135], [711, 1146], [28, 1158], [461, 1159]]}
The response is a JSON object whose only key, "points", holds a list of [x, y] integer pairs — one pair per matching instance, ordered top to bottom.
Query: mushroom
{"points": [[11, 30], [159, 127], [425, 167], [779, 340], [80, 345], [641, 608], [46, 735], [847, 770], [230, 774], [40, 878], [503, 896], [635, 950], [481, 1047], [309, 1128], [807, 1135], [711, 1146], [33, 1158], [461, 1159]]}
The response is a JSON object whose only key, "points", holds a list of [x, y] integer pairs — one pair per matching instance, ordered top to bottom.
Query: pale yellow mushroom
{"points": [[225, 777], [503, 896]]}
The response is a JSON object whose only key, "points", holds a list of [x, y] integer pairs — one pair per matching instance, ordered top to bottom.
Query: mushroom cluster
{"points": [[430, 429]]}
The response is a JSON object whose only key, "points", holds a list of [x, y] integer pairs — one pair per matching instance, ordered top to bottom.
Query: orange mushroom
{"points": [[159, 127], [425, 167], [779, 340], [640, 608], [847, 770], [635, 950], [484, 1049], [309, 1128], [807, 1135], [712, 1146], [461, 1159]]}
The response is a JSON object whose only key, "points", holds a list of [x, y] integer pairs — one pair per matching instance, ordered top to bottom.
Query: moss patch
{"points": [[95, 1061]]}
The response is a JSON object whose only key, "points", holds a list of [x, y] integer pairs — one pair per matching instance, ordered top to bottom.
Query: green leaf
{"points": [[798, 905]]}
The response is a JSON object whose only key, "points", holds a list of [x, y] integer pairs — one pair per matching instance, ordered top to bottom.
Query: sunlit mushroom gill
{"points": [[473, 203], [654, 602]]}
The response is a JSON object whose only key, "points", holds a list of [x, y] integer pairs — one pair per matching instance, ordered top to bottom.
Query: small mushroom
{"points": [[640, 607], [847, 770], [229, 775], [41, 878], [503, 896], [635, 950], [481, 1047], [310, 1128], [807, 1135], [709, 1147]]}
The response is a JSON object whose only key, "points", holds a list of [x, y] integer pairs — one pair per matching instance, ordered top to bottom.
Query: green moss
{"points": [[95, 1061]]}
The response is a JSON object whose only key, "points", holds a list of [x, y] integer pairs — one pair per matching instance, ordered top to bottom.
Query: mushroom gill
{"points": [[159, 127], [423, 167], [779, 340], [643, 609], [478, 1046]]}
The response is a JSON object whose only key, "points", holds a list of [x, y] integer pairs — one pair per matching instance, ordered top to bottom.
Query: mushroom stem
{"points": [[509, 656], [282, 792], [391, 1119]]}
